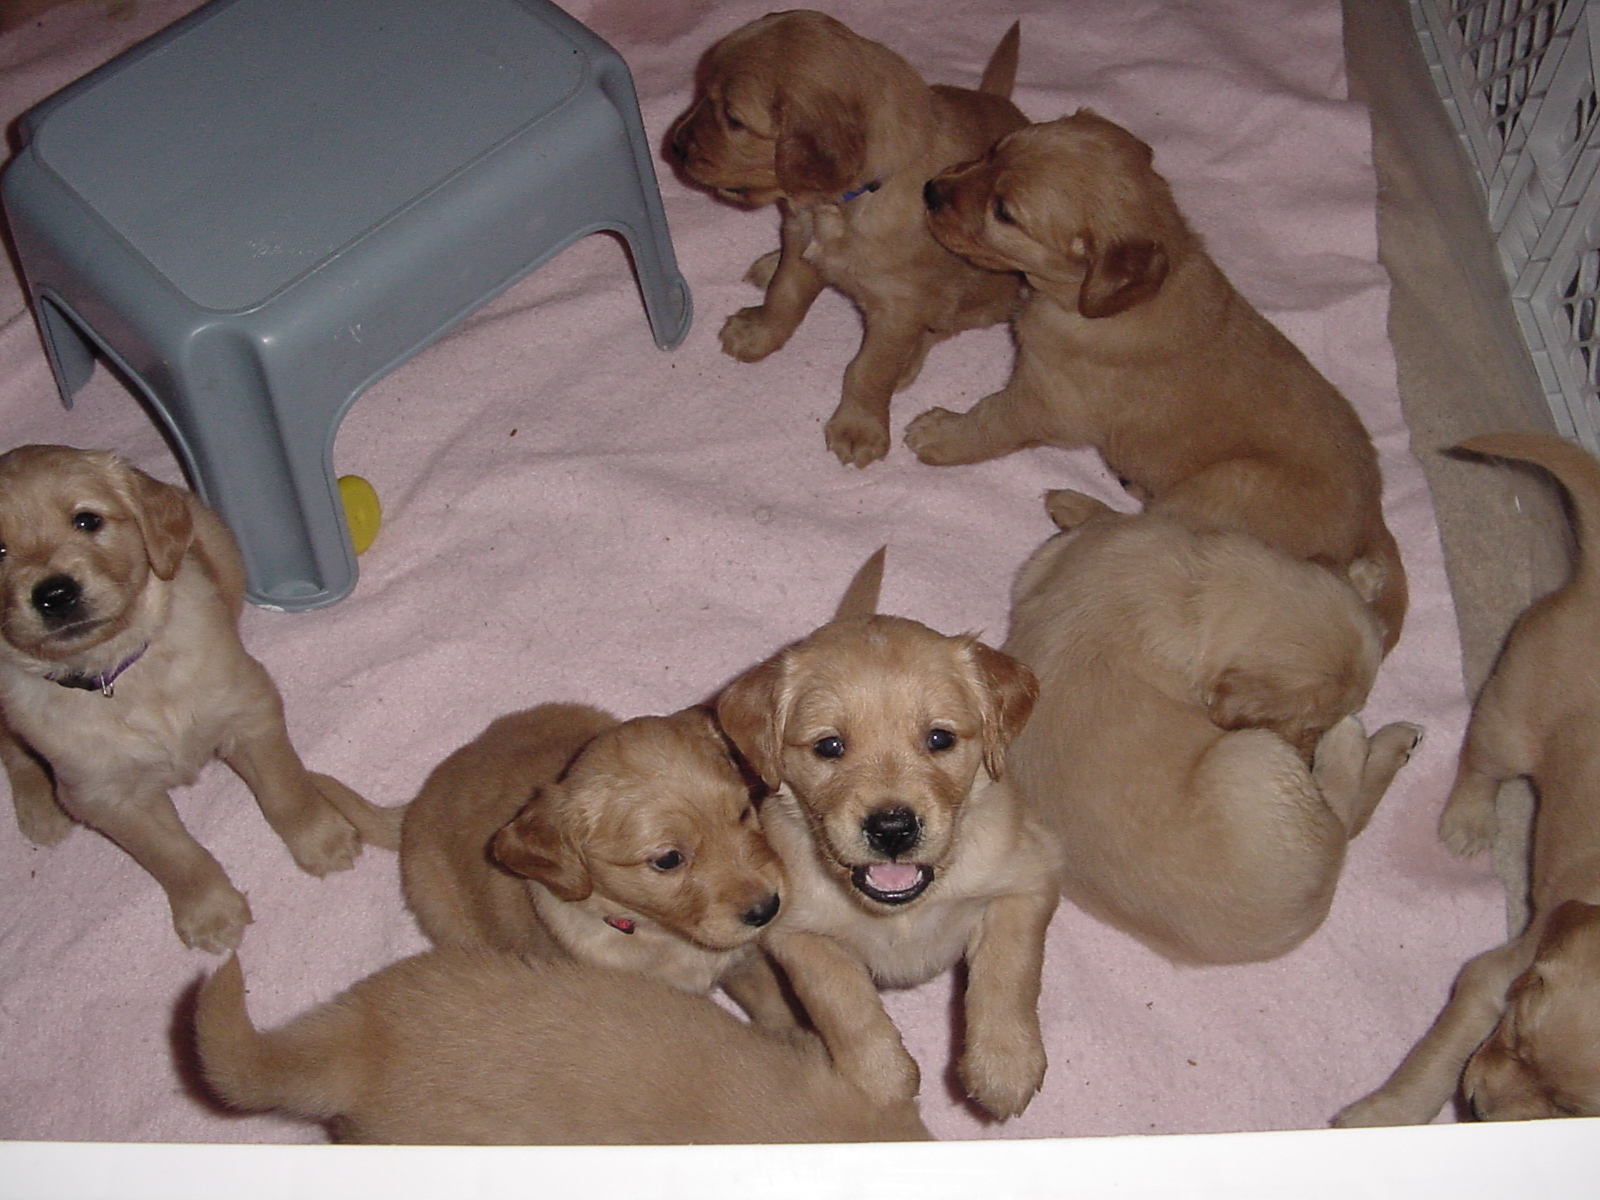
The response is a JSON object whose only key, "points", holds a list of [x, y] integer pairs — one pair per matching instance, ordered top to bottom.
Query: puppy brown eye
{"points": [[731, 121], [1002, 213], [87, 522], [940, 739], [828, 747], [670, 861]]}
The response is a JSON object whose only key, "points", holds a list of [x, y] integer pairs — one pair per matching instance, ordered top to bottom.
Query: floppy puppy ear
{"points": [[822, 143], [1121, 274], [162, 513], [1009, 690], [747, 710], [533, 845]]}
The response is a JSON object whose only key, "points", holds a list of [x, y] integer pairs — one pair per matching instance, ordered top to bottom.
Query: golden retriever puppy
{"points": [[842, 133], [1133, 342], [122, 675], [1194, 746], [632, 845], [904, 851], [1524, 1017], [464, 1048]]}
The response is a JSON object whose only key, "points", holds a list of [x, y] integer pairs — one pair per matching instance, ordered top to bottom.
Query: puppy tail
{"points": [[1000, 75], [1574, 468], [861, 597], [377, 826], [293, 1069]]}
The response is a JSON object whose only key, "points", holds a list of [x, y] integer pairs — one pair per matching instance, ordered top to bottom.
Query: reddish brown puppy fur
{"points": [[842, 133], [1133, 342], [104, 570], [627, 844], [1524, 1017], [466, 1048]]}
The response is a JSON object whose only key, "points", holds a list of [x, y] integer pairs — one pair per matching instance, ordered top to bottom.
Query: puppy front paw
{"points": [[753, 333], [936, 438], [858, 439], [42, 821], [1468, 824], [322, 841], [214, 921], [882, 1069], [1003, 1074]]}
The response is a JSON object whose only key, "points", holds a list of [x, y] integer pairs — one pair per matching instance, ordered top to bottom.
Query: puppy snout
{"points": [[934, 195], [58, 599], [892, 831], [761, 913]]}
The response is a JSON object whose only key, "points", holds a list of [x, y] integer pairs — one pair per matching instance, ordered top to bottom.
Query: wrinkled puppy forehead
{"points": [[875, 671]]}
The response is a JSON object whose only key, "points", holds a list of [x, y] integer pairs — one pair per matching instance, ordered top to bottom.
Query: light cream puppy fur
{"points": [[842, 133], [1135, 343], [1178, 673], [122, 675], [631, 844], [905, 851], [1523, 1019], [465, 1048]]}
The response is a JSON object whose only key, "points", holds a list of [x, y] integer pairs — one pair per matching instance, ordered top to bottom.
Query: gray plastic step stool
{"points": [[273, 203]]}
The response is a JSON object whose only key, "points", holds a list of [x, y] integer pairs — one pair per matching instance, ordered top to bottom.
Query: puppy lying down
{"points": [[842, 133], [1133, 342], [122, 675], [1184, 681], [626, 844], [904, 850], [1523, 1019], [456, 1047]]}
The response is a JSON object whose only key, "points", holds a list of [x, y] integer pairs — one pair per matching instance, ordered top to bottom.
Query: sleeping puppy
{"points": [[842, 133], [1133, 342], [122, 675], [885, 742], [1194, 746], [632, 845], [1524, 1017], [463, 1048]]}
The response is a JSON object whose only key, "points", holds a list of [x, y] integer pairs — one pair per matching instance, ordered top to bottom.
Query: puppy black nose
{"points": [[933, 195], [58, 598], [892, 831], [758, 915]]}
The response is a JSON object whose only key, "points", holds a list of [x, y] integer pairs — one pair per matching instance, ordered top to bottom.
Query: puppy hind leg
{"points": [[1353, 771], [33, 793]]}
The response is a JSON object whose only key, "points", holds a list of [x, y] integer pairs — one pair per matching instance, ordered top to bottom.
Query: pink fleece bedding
{"points": [[572, 514]]}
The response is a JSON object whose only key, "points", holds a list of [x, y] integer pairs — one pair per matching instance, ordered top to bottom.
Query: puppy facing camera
{"points": [[122, 675]]}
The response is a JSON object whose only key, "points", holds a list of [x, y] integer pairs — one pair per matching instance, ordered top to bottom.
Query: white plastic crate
{"points": [[1519, 78]]}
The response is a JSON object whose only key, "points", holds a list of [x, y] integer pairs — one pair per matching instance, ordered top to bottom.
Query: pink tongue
{"points": [[893, 877]]}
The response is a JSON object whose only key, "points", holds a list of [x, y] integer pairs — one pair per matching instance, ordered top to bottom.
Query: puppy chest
{"points": [[906, 949]]}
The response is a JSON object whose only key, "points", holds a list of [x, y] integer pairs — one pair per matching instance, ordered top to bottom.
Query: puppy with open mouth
{"points": [[905, 853]]}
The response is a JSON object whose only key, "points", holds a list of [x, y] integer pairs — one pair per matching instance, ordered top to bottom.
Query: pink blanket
{"points": [[572, 514]]}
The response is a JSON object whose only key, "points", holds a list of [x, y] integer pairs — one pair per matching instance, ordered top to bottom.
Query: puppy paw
{"points": [[763, 269], [751, 334], [856, 438], [935, 438], [1069, 509], [42, 821], [1468, 824], [322, 842], [214, 921], [884, 1072], [1003, 1075], [1376, 1110]]}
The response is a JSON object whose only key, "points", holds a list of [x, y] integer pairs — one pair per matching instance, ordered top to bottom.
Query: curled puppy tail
{"points": [[1000, 75], [377, 826], [294, 1069]]}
